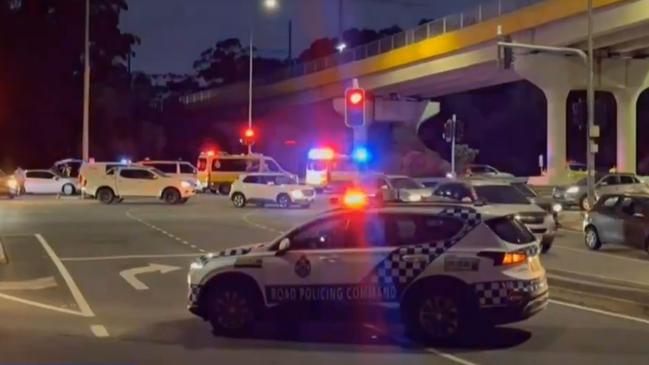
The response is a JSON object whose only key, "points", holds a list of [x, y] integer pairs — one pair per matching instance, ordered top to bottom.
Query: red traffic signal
{"points": [[355, 107], [248, 138]]}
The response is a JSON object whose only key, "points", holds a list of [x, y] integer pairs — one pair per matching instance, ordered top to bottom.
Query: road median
{"points": [[628, 298]]}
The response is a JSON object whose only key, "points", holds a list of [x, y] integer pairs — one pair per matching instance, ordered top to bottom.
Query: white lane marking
{"points": [[246, 218], [170, 235], [600, 253], [128, 257], [129, 274], [616, 281], [34, 284], [74, 289], [42, 305], [600, 311], [99, 330], [444, 355]]}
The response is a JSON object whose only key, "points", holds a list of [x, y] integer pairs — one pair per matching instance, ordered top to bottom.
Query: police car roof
{"points": [[427, 208]]}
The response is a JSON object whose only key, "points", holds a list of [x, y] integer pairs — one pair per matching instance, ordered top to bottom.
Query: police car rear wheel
{"points": [[238, 200], [232, 311], [438, 317]]}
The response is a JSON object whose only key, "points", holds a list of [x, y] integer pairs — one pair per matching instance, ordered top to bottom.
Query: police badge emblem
{"points": [[302, 267]]}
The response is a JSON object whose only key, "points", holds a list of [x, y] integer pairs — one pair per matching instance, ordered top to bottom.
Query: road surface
{"points": [[70, 294]]}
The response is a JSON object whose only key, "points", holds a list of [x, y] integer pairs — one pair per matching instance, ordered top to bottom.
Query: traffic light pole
{"points": [[587, 58], [453, 133]]}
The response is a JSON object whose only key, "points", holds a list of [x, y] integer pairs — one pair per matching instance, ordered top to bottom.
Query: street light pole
{"points": [[250, 85], [590, 100], [85, 138]]}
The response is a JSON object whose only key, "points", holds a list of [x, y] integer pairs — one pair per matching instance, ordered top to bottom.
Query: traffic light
{"points": [[355, 103], [249, 137]]}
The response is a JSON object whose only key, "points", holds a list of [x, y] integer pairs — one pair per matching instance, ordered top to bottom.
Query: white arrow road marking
{"points": [[129, 274], [34, 284]]}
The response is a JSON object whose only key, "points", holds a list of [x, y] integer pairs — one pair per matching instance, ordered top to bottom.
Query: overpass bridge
{"points": [[458, 53]]}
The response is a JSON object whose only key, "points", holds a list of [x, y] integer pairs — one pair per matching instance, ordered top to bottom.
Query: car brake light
{"points": [[355, 199], [505, 258]]}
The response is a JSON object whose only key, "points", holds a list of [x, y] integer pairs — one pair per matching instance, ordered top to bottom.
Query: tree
{"points": [[41, 78], [464, 156]]}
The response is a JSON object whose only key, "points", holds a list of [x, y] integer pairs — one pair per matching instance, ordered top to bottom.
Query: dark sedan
{"points": [[619, 219]]}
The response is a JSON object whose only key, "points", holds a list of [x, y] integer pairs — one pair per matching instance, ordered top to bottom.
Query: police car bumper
{"points": [[508, 302], [193, 303]]}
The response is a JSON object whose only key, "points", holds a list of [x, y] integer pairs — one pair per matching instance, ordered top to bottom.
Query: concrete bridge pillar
{"points": [[555, 76], [626, 79]]}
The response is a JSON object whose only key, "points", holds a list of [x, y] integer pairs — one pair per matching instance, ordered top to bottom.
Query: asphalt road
{"points": [[64, 301]]}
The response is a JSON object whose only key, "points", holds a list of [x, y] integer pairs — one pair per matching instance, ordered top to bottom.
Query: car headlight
{"points": [[12, 183], [186, 184], [572, 190], [297, 194], [557, 208], [196, 265]]}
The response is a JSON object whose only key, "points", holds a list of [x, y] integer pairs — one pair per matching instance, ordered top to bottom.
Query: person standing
{"points": [[19, 174]]}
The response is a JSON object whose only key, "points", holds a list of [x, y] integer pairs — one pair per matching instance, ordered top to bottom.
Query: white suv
{"points": [[134, 182], [270, 188], [447, 267]]}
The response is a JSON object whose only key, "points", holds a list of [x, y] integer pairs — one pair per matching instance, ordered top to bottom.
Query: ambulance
{"points": [[326, 169]]}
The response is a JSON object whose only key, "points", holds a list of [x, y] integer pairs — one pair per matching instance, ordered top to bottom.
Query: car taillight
{"points": [[355, 199], [505, 258]]}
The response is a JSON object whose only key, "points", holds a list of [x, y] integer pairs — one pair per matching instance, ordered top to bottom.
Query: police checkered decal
{"points": [[233, 252], [398, 271], [495, 293]]}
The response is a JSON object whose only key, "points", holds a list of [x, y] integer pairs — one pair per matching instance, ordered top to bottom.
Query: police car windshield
{"points": [[405, 183], [500, 194], [510, 230]]}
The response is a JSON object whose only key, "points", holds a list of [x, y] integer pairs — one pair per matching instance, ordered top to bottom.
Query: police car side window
{"points": [[411, 229], [367, 230], [328, 233]]}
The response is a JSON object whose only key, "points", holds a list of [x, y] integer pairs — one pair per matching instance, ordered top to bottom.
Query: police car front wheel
{"points": [[231, 311]]}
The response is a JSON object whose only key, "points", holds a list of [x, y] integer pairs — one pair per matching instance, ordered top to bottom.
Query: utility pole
{"points": [[290, 41], [250, 86], [590, 96], [85, 138]]}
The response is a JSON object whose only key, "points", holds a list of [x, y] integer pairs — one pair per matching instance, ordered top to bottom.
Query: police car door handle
{"points": [[414, 258]]}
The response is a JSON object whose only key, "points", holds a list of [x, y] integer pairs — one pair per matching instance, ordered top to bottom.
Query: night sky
{"points": [[175, 32]]}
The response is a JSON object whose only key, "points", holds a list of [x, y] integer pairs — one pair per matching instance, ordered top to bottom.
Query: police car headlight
{"points": [[186, 184], [573, 190], [297, 194], [557, 208]]}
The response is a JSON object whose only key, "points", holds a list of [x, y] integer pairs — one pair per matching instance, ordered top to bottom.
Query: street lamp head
{"points": [[271, 4], [341, 46]]}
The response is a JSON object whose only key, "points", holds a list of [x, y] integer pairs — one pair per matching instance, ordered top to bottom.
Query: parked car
{"points": [[49, 182], [137, 182], [614, 183], [8, 185], [270, 188], [383, 188], [504, 198], [547, 203], [618, 219]]}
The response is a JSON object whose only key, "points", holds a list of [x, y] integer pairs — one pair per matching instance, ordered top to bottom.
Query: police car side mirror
{"points": [[284, 245]]}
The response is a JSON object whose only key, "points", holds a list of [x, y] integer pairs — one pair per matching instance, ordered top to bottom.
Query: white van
{"points": [[179, 168], [217, 171]]}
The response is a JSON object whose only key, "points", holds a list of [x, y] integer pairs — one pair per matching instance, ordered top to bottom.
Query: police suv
{"points": [[447, 267]]}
